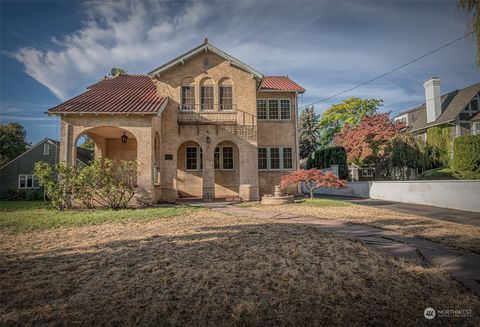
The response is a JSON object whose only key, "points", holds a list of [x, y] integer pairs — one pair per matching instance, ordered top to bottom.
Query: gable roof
{"points": [[205, 47], [279, 83], [133, 94], [452, 104], [83, 155]]}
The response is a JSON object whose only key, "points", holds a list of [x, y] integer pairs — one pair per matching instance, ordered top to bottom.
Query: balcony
{"points": [[208, 114]]}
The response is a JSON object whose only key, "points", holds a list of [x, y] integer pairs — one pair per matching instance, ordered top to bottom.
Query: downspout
{"points": [[297, 164]]}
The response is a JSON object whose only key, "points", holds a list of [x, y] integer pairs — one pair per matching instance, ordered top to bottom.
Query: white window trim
{"points": [[202, 98], [219, 102], [182, 108], [279, 109], [46, 149], [199, 158], [221, 158], [281, 159], [367, 169], [26, 178]]}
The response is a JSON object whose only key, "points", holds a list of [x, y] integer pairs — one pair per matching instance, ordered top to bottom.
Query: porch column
{"points": [[67, 148], [145, 163], [208, 173], [248, 189]]}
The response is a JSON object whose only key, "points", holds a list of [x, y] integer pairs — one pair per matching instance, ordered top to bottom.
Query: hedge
{"points": [[439, 139], [466, 150], [324, 158]]}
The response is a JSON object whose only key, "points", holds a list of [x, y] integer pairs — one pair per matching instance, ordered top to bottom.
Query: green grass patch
{"points": [[448, 174], [316, 202], [14, 205], [28, 219]]}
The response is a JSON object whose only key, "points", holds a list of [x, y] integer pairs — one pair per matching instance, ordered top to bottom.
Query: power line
{"points": [[391, 71]]}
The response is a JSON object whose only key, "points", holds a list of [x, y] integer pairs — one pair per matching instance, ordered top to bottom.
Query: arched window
{"points": [[225, 93], [188, 94], [206, 94]]}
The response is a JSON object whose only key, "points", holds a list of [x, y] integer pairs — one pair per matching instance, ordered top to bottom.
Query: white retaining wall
{"points": [[460, 195]]}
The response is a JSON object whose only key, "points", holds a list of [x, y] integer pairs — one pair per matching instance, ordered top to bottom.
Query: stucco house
{"points": [[459, 110], [202, 125], [17, 174]]}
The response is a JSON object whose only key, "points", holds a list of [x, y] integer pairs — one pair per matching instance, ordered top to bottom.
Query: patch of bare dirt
{"points": [[454, 234], [212, 269]]}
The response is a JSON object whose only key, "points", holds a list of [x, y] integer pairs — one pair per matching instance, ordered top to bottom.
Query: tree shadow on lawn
{"points": [[269, 274]]}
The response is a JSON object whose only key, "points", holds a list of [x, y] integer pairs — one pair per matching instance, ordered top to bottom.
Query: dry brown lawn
{"points": [[453, 234], [210, 269]]}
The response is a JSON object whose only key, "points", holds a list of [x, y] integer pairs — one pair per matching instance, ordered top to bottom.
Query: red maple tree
{"points": [[369, 137], [313, 178]]}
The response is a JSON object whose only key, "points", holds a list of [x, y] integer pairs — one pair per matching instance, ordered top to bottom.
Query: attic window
{"points": [[206, 63]]}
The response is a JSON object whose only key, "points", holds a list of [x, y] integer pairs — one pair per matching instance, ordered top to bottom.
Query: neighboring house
{"points": [[458, 109], [201, 125], [17, 174]]}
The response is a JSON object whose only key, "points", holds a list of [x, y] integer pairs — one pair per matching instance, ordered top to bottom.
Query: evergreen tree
{"points": [[308, 132], [12, 142]]}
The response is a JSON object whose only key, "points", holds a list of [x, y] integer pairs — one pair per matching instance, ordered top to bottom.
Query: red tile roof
{"points": [[280, 83], [122, 94]]}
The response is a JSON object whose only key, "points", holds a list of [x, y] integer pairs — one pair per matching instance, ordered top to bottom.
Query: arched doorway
{"points": [[227, 170], [189, 181]]}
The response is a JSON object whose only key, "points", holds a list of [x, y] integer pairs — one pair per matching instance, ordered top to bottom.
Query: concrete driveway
{"points": [[452, 215]]}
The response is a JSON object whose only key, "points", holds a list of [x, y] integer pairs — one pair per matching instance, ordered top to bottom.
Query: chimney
{"points": [[432, 99]]}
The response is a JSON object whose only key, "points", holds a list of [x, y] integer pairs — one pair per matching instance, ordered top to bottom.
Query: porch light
{"points": [[124, 138], [208, 139]]}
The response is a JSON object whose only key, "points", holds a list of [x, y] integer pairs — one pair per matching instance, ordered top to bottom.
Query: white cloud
{"points": [[325, 46]]}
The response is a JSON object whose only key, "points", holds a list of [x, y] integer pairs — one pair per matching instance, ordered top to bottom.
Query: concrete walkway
{"points": [[451, 215], [462, 266]]}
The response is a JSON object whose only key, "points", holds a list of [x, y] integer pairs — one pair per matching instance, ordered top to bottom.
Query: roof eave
{"points": [[204, 47], [271, 90], [432, 125]]}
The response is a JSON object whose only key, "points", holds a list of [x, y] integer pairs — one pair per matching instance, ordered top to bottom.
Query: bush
{"points": [[439, 139], [466, 151], [324, 158], [104, 183], [15, 195]]}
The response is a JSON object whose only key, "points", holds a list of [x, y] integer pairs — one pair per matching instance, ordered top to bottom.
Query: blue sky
{"points": [[52, 50]]}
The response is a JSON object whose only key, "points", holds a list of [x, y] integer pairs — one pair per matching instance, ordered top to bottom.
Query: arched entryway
{"points": [[110, 142], [227, 170], [189, 180]]}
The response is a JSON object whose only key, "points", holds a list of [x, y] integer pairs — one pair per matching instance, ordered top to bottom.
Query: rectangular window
{"points": [[206, 97], [188, 98], [226, 98], [474, 105], [262, 109], [272, 109], [285, 109], [475, 128], [46, 149], [223, 157], [227, 157], [193, 158], [216, 158], [262, 158], [274, 158], [287, 158], [367, 172], [28, 181]]}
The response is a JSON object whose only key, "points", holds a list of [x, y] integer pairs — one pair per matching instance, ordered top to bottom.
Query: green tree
{"points": [[472, 7], [117, 72], [350, 111], [308, 133], [12, 142], [87, 143]]}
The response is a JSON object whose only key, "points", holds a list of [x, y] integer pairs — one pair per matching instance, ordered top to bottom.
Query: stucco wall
{"points": [[461, 195]]}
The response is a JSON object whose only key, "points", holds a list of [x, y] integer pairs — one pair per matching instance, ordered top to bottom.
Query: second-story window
{"points": [[206, 97], [226, 97], [188, 98], [262, 109], [272, 109], [285, 109]]}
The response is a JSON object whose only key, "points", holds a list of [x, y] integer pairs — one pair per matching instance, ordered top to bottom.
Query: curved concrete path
{"points": [[462, 265]]}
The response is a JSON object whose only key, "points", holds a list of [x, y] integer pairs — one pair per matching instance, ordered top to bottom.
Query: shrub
{"points": [[439, 139], [466, 151], [324, 158], [313, 178], [105, 182], [14, 195]]}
